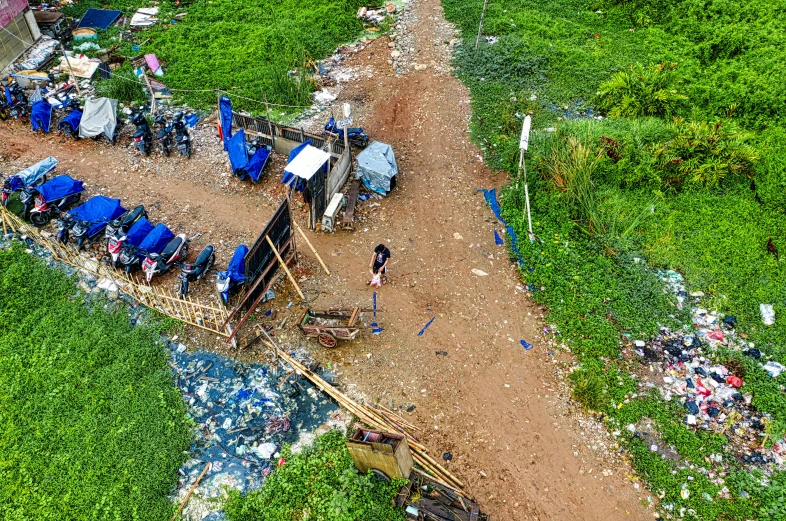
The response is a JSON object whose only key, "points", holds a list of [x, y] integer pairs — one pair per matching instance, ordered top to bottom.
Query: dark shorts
{"points": [[376, 269]]}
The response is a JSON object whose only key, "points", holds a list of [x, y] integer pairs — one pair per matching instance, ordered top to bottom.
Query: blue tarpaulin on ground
{"points": [[99, 18], [225, 109], [41, 115], [72, 119], [238, 152], [257, 163], [376, 167], [58, 187], [491, 199], [97, 210], [137, 233], [156, 239], [237, 265]]}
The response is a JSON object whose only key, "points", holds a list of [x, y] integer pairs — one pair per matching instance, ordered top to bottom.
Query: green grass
{"points": [[254, 49], [671, 193], [91, 425], [320, 482]]}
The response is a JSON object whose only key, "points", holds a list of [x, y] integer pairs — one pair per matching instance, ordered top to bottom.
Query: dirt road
{"points": [[478, 394]]}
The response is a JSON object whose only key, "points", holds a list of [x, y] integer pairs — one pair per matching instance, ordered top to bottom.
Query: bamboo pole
{"points": [[303, 234], [284, 265], [191, 491]]}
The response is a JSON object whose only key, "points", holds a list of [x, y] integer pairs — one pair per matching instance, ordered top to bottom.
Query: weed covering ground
{"points": [[252, 49], [658, 142], [91, 425], [320, 482]]}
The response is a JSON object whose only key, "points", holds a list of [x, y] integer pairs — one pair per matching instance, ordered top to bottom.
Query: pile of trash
{"points": [[683, 367], [243, 413]]}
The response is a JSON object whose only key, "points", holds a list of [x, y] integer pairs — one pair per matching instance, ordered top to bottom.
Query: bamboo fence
{"points": [[203, 315]]}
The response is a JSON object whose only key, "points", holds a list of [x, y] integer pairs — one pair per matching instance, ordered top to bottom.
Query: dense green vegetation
{"points": [[253, 49], [658, 142], [91, 425], [320, 482]]}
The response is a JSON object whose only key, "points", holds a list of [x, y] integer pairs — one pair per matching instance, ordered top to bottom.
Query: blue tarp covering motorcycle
{"points": [[54, 197], [89, 219], [235, 275]]}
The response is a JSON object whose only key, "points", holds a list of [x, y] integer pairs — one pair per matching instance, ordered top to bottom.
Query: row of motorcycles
{"points": [[143, 136], [132, 241]]}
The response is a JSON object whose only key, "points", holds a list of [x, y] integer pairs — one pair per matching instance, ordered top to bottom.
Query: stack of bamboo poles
{"points": [[380, 419]]}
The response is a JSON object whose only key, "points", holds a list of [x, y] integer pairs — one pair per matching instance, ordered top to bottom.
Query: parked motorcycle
{"points": [[15, 104], [70, 123], [164, 134], [355, 135], [143, 138], [182, 138], [34, 175], [51, 198], [86, 222], [120, 226], [132, 238], [155, 241], [157, 263], [197, 270], [229, 281]]}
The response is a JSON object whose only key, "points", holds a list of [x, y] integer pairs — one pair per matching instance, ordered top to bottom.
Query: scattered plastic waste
{"points": [[497, 239], [526, 345], [774, 368], [242, 419]]}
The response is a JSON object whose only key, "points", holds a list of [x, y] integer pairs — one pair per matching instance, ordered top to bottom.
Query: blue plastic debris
{"points": [[497, 239], [426, 326], [526, 345]]}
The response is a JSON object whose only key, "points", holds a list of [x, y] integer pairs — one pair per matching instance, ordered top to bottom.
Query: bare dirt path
{"points": [[497, 408]]}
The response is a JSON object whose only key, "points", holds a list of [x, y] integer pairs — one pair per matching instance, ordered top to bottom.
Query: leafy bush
{"points": [[642, 91], [702, 154], [91, 425], [320, 482]]}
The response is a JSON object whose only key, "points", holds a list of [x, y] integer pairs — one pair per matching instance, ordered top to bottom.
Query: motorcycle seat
{"points": [[171, 248], [204, 255]]}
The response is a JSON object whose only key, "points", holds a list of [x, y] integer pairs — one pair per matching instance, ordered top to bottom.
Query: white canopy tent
{"points": [[307, 162]]}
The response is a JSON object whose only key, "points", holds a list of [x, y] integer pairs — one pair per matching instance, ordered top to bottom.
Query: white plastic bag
{"points": [[767, 314]]}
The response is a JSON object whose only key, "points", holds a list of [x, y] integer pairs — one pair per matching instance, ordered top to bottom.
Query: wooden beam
{"points": [[303, 234], [284, 265], [191, 491]]}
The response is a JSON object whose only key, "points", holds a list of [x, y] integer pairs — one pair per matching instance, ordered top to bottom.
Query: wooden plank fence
{"points": [[272, 133], [204, 315]]}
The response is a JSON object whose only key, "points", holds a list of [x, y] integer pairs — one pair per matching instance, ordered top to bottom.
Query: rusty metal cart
{"points": [[331, 325]]}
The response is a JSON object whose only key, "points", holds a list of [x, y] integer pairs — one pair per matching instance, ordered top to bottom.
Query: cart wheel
{"points": [[327, 340], [380, 476]]}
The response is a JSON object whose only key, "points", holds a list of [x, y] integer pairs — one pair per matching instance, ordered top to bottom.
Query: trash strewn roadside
{"points": [[684, 366]]}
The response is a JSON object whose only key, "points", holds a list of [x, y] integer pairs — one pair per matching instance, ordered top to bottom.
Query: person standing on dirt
{"points": [[379, 262]]}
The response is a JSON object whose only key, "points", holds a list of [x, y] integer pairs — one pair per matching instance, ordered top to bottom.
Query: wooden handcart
{"points": [[330, 326]]}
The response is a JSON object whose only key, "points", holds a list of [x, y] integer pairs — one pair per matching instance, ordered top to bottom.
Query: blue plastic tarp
{"points": [[99, 18], [8, 98], [225, 110], [41, 115], [72, 119], [238, 151], [257, 163], [376, 167], [30, 175], [289, 178], [59, 187], [491, 199], [97, 210], [138, 231], [156, 239], [237, 265]]}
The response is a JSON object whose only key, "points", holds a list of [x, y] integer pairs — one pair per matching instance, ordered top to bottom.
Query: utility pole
{"points": [[347, 114]]}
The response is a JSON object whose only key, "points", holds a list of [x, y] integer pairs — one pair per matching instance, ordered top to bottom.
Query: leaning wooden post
{"points": [[303, 234], [284, 265], [191, 491]]}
